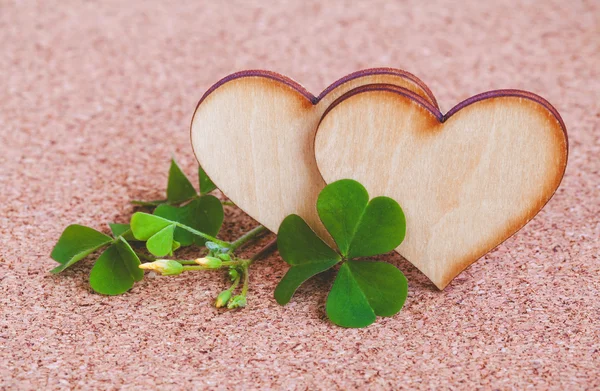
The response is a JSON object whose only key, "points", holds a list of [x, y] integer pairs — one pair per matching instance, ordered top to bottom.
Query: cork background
{"points": [[95, 97]]}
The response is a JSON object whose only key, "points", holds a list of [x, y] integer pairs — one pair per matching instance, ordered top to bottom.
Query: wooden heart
{"points": [[253, 134], [466, 180]]}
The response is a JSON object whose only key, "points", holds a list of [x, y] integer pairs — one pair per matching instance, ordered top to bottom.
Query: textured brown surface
{"points": [[96, 98]]}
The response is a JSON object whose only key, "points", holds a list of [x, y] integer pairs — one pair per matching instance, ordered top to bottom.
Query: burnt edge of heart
{"points": [[316, 99], [467, 102], [435, 111]]}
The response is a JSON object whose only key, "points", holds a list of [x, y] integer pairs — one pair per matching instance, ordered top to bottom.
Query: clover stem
{"points": [[227, 203], [248, 236], [186, 261], [194, 266], [197, 267], [246, 280], [235, 284]]}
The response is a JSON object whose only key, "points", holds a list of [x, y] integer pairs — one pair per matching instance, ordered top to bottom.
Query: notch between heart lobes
{"points": [[255, 134]]}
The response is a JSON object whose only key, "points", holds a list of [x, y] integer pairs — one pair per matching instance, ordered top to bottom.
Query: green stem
{"points": [[227, 203], [248, 236], [186, 261], [241, 262], [197, 267], [246, 280], [235, 284]]}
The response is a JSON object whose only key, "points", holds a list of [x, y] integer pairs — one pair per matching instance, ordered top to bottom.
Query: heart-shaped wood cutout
{"points": [[253, 134], [466, 180]]}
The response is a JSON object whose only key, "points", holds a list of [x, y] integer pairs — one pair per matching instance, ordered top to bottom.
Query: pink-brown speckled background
{"points": [[96, 97]]}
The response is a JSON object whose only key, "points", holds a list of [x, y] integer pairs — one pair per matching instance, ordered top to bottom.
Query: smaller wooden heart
{"points": [[253, 134], [466, 180]]}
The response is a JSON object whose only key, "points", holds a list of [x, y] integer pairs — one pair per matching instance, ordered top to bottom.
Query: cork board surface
{"points": [[96, 97]]}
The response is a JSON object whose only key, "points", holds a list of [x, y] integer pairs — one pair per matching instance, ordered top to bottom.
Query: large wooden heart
{"points": [[253, 134], [466, 180]]}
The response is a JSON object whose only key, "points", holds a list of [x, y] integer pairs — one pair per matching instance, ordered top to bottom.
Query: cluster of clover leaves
{"points": [[359, 227]]}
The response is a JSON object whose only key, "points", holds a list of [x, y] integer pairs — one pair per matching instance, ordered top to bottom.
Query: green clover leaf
{"points": [[205, 183], [179, 187], [203, 214], [144, 225], [360, 228], [156, 231], [75, 243], [161, 243], [308, 255], [116, 270], [364, 289]]}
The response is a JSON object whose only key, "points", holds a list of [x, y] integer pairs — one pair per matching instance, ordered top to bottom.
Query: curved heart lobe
{"points": [[253, 134], [466, 181]]}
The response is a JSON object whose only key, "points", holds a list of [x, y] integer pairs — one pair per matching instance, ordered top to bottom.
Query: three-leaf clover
{"points": [[202, 212], [198, 218], [360, 228], [117, 268]]}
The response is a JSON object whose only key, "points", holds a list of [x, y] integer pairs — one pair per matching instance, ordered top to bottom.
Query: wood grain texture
{"points": [[253, 134], [467, 180]]}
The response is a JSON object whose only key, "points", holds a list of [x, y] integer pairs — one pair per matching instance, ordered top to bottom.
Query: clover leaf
{"points": [[205, 183], [179, 187], [203, 214], [360, 228], [155, 230], [76, 243], [161, 243], [305, 252], [116, 270]]}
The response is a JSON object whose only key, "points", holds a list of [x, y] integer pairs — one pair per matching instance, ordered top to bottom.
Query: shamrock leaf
{"points": [[206, 184], [179, 187], [204, 214], [144, 225], [360, 228], [157, 232], [75, 243], [161, 243], [305, 252], [116, 269], [364, 289]]}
